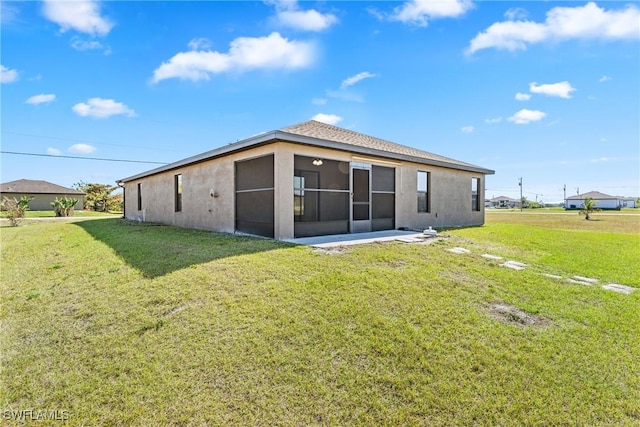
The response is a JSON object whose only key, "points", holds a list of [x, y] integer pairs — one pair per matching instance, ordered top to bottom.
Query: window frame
{"points": [[177, 192], [426, 192], [475, 195], [139, 196]]}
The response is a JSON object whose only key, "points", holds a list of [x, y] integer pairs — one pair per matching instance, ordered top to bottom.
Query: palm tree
{"points": [[587, 207]]}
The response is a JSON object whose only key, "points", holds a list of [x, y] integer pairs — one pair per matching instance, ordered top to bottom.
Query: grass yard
{"points": [[76, 213], [120, 323]]}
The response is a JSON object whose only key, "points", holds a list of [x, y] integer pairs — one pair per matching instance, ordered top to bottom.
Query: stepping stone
{"points": [[409, 240], [459, 250], [489, 256], [514, 265], [553, 276], [585, 279], [579, 282], [622, 289]]}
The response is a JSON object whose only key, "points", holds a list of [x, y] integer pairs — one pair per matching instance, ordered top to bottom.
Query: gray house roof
{"points": [[319, 134], [29, 186], [595, 195]]}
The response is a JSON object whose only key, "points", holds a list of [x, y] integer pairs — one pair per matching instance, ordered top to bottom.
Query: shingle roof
{"points": [[315, 129], [319, 134], [29, 186], [595, 195]]}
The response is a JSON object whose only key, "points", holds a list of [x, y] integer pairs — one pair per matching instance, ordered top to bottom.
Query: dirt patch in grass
{"points": [[339, 250], [512, 315]]}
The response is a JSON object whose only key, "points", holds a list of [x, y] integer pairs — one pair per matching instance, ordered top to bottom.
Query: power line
{"points": [[87, 141], [82, 158]]}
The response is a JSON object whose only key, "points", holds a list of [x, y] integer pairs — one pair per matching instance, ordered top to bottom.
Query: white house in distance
{"points": [[309, 179], [603, 201], [504, 202]]}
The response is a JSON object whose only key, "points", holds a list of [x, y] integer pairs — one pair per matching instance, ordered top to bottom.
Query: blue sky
{"points": [[546, 91]]}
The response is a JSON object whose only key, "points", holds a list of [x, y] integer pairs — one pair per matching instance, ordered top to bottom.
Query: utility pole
{"points": [[564, 189], [578, 191], [521, 202]]}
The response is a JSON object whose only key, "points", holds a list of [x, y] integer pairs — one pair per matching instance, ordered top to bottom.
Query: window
{"points": [[178, 191], [423, 192], [139, 196], [475, 196], [298, 197]]}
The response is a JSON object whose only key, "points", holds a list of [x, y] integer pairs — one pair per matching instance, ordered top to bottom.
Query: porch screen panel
{"points": [[254, 182], [321, 196], [383, 198]]}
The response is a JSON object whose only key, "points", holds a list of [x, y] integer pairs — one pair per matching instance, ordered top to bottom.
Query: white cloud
{"points": [[419, 12], [516, 13], [8, 14], [79, 15], [289, 15], [562, 23], [79, 44], [200, 44], [245, 53], [8, 75], [355, 79], [605, 79], [561, 89], [522, 96], [41, 99], [319, 101], [102, 108], [525, 116], [330, 119], [493, 121], [467, 129], [82, 148], [53, 151]]}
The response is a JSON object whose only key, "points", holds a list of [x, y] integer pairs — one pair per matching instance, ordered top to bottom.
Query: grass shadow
{"points": [[157, 249]]}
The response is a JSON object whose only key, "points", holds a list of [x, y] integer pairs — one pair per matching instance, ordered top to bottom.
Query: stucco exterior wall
{"points": [[449, 195], [208, 199]]}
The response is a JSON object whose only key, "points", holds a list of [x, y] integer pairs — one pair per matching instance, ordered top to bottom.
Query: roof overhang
{"points": [[280, 136]]}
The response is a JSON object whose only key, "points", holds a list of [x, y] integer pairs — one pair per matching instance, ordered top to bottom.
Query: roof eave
{"points": [[278, 135], [317, 142]]}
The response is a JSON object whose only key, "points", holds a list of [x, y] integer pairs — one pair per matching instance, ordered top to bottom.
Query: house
{"points": [[309, 179], [43, 193], [603, 201], [504, 202]]}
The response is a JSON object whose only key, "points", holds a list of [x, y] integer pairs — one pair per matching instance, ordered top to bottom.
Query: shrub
{"points": [[64, 206], [16, 209]]}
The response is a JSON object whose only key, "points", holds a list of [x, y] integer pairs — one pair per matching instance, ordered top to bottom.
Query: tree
{"points": [[98, 196], [587, 207]]}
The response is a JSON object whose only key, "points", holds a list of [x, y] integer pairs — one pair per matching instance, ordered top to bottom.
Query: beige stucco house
{"points": [[306, 180], [42, 193]]}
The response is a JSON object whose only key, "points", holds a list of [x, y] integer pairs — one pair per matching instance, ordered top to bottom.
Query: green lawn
{"points": [[52, 214], [137, 324]]}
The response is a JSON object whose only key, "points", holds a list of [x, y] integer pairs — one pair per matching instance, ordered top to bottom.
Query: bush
{"points": [[64, 206], [16, 209]]}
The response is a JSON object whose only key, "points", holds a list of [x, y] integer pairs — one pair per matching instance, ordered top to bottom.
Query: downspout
{"points": [[124, 199]]}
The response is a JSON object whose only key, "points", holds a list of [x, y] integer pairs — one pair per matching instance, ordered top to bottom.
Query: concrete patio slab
{"points": [[355, 238]]}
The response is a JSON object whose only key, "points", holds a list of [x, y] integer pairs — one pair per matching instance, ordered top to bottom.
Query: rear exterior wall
{"points": [[208, 195]]}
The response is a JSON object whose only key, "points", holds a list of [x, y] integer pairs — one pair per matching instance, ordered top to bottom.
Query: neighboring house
{"points": [[309, 179], [43, 193], [603, 201], [503, 202], [629, 202]]}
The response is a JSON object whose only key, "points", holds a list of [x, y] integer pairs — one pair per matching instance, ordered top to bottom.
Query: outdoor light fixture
{"points": [[317, 162]]}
